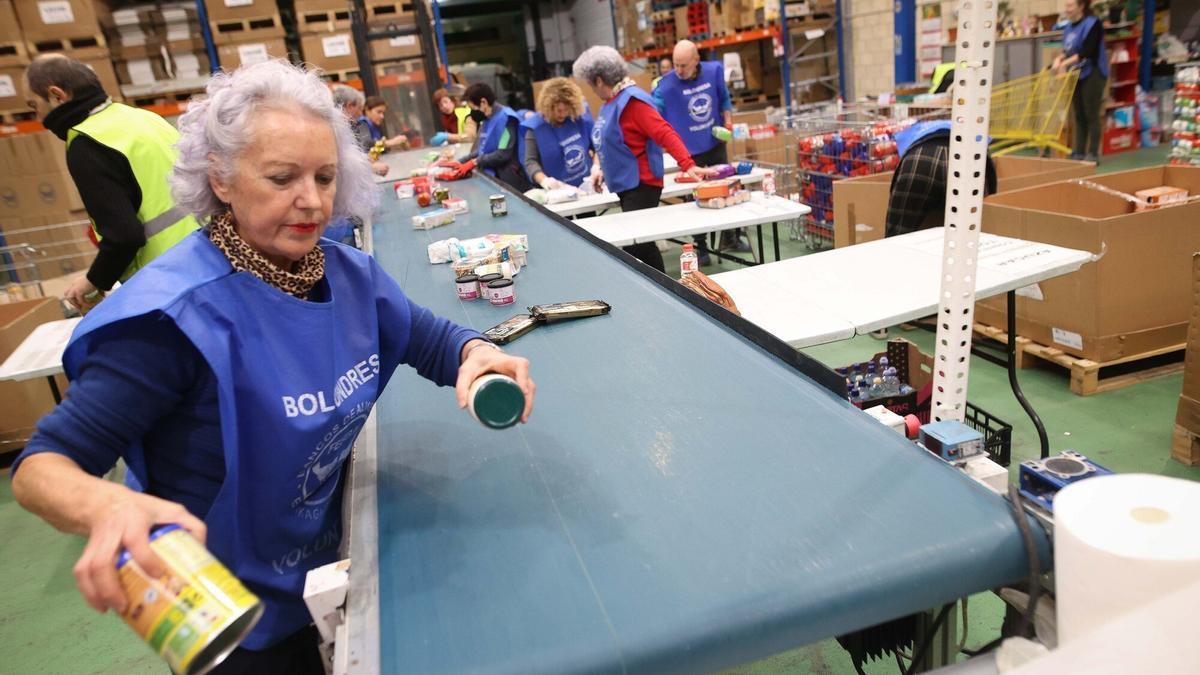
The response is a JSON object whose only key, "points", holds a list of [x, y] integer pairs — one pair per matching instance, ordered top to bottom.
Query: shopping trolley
{"points": [[1030, 112]]}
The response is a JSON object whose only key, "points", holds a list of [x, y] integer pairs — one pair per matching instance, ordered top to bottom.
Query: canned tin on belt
{"points": [[499, 205], [468, 287], [501, 292], [195, 614]]}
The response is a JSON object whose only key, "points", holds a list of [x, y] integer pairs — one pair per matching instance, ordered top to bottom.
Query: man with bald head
{"points": [[693, 98], [119, 158]]}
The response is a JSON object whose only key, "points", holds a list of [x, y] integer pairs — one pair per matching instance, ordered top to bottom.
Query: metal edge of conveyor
{"points": [[797, 360], [360, 541]]}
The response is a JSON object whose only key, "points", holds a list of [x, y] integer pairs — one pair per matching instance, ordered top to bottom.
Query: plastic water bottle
{"points": [[687, 261], [883, 364], [871, 372], [891, 382], [876, 388]]}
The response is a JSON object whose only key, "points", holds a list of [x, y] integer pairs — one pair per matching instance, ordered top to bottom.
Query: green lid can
{"points": [[496, 401]]}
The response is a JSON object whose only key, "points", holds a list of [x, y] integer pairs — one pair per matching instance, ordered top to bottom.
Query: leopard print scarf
{"points": [[305, 273]]}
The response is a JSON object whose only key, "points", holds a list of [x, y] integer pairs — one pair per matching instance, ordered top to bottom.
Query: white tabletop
{"points": [[401, 163], [672, 189], [677, 220], [881, 283], [40, 354]]}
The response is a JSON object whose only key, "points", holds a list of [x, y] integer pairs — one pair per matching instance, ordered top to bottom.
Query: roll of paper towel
{"points": [[1120, 542]]}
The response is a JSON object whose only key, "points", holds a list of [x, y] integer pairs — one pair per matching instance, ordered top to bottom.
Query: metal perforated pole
{"points": [[972, 95]]}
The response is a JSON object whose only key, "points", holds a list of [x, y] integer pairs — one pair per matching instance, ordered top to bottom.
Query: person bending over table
{"points": [[694, 100], [457, 125], [369, 129], [499, 133], [630, 135], [557, 140], [917, 197], [234, 372]]}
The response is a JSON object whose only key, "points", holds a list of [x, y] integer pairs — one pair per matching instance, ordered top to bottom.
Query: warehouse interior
{"points": [[732, 336]]}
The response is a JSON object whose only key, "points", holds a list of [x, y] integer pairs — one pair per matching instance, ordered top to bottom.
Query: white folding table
{"points": [[672, 189], [678, 220], [863, 288], [40, 354]]}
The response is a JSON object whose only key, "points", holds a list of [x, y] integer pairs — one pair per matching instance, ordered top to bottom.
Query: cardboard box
{"points": [[220, 10], [53, 19], [681, 23], [10, 30], [404, 46], [331, 52], [249, 53], [141, 71], [108, 76], [12, 89], [32, 154], [40, 194], [1158, 197], [860, 204], [1130, 301], [24, 402], [1185, 445]]}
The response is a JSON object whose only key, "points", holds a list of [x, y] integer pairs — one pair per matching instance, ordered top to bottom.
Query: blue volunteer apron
{"points": [[1073, 37], [693, 107], [492, 130], [376, 132], [906, 138], [563, 149], [617, 161], [296, 381]]}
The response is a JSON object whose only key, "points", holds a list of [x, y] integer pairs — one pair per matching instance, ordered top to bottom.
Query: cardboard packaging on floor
{"points": [[860, 204], [1129, 302], [24, 402], [1185, 445]]}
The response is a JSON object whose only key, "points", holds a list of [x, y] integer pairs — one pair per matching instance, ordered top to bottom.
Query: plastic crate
{"points": [[916, 369]]}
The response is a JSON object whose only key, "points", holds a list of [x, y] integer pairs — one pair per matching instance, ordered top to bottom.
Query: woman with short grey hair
{"points": [[351, 102], [630, 136], [234, 372]]}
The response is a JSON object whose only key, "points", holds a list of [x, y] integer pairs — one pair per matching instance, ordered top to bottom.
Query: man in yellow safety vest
{"points": [[119, 158]]}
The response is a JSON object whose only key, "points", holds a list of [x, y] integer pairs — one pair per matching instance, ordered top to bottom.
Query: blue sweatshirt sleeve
{"points": [[659, 102], [413, 335], [127, 384]]}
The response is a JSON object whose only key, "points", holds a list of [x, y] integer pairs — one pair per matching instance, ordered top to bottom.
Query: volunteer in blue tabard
{"points": [[1083, 48], [694, 100], [630, 136], [557, 143], [495, 150], [917, 197], [234, 372]]}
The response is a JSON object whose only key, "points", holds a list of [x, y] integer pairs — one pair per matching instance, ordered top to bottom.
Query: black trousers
{"points": [[1089, 118], [711, 157], [643, 197], [296, 655]]}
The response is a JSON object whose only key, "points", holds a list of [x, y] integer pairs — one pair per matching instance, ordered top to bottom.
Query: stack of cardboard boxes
{"points": [[32, 27], [246, 31], [326, 41], [155, 50], [39, 206], [1185, 445]]}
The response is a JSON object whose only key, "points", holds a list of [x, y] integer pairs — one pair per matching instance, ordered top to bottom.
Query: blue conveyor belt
{"points": [[681, 500]]}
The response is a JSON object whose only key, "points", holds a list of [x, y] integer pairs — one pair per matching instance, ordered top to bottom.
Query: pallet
{"points": [[322, 21], [230, 31], [82, 47], [13, 53], [340, 75], [163, 98], [14, 116], [1087, 377], [1185, 446]]}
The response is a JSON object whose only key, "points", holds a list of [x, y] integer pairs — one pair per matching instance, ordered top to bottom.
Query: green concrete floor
{"points": [[46, 628]]}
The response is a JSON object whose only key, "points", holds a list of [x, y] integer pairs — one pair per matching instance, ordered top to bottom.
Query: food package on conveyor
{"points": [[456, 204], [432, 219], [501, 247]]}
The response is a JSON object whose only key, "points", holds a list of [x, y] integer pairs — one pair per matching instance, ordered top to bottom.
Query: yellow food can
{"points": [[196, 613]]}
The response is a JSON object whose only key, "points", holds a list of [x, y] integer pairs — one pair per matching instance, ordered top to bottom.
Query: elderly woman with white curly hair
{"points": [[630, 135], [234, 372]]}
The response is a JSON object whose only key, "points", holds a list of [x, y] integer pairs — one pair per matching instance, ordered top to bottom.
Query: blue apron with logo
{"points": [[1073, 37], [693, 107], [492, 131], [376, 132], [563, 149], [617, 161], [296, 381]]}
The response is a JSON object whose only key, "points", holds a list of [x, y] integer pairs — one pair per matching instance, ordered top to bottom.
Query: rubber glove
{"points": [[439, 138]]}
